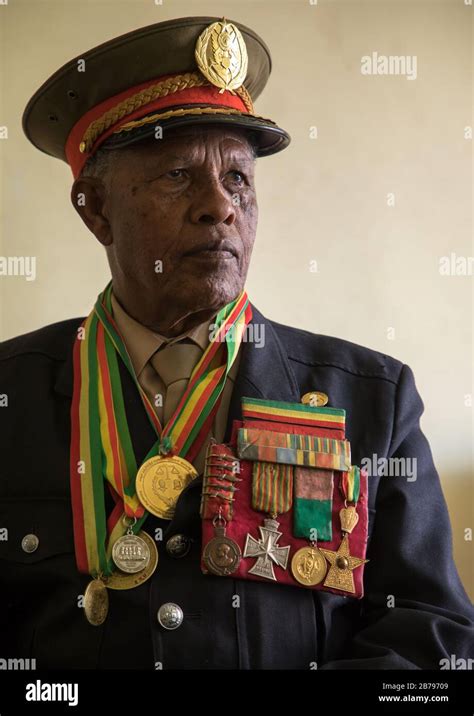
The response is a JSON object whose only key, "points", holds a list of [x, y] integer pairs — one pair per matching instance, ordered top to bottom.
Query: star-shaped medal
{"points": [[342, 563]]}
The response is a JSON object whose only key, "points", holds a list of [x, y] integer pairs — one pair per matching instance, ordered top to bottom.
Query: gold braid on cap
{"points": [[145, 96], [183, 111]]}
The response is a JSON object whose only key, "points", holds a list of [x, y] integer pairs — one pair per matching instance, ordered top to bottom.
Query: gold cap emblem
{"points": [[221, 55]]}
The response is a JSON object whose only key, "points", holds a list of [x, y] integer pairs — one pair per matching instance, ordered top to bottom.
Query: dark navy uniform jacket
{"points": [[270, 625]]}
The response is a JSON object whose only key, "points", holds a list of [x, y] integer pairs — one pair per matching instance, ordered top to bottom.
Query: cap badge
{"points": [[221, 55]]}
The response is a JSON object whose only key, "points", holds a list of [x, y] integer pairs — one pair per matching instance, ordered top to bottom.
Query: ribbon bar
{"points": [[293, 413], [291, 449]]}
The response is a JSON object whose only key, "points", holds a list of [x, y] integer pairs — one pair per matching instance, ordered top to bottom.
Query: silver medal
{"points": [[131, 554]]}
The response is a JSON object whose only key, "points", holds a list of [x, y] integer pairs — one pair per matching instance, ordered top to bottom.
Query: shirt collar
{"points": [[142, 343]]}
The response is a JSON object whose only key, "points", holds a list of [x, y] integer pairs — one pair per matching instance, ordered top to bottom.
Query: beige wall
{"points": [[323, 199]]}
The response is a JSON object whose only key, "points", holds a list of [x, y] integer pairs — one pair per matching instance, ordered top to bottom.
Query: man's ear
{"points": [[88, 198]]}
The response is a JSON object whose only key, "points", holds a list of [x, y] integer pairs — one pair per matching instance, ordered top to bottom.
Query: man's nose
{"points": [[213, 204]]}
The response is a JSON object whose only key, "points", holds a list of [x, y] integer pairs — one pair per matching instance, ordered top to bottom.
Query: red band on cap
{"points": [[206, 94]]}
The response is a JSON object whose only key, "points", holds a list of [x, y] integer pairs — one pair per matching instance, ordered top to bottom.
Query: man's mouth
{"points": [[219, 250]]}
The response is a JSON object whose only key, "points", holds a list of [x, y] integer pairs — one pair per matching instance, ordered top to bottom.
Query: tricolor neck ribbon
{"points": [[101, 445]]}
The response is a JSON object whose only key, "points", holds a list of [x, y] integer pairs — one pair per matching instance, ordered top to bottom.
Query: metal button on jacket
{"points": [[29, 543], [178, 546], [170, 615]]}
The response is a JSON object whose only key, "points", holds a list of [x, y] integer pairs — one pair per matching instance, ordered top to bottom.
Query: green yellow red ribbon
{"points": [[294, 413], [101, 446], [350, 485]]}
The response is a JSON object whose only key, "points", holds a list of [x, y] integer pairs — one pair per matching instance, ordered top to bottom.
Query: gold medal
{"points": [[160, 481], [349, 519], [131, 554], [342, 564], [308, 566], [122, 580], [96, 602]]}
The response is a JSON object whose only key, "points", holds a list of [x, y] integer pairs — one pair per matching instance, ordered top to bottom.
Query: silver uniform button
{"points": [[29, 543], [178, 546], [170, 616]]}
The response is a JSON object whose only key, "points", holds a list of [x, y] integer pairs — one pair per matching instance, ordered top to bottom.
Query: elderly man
{"points": [[178, 489]]}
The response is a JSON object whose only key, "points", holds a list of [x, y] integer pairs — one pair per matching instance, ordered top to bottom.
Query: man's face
{"points": [[182, 214]]}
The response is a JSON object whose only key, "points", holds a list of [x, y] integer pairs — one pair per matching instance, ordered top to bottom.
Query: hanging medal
{"points": [[160, 481], [272, 493], [312, 519], [131, 553], [221, 555], [342, 563], [308, 565], [120, 580], [96, 602]]}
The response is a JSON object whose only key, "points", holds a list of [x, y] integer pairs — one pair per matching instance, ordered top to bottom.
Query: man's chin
{"points": [[215, 292], [192, 305]]}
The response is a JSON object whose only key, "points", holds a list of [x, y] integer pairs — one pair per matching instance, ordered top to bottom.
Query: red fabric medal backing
{"points": [[246, 520]]}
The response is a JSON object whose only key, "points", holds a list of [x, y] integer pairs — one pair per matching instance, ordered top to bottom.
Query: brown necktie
{"points": [[173, 364], [167, 373]]}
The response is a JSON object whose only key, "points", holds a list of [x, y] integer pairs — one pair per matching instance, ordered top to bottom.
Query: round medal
{"points": [[316, 399], [160, 481], [131, 554], [222, 556], [308, 566], [123, 580], [96, 602]]}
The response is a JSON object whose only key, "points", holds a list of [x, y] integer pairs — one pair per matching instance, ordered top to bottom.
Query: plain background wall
{"points": [[324, 199]]}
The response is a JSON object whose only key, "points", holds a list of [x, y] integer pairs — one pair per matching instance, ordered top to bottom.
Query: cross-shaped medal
{"points": [[266, 550]]}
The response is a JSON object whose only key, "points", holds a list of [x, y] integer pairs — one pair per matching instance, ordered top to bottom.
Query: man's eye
{"points": [[175, 173], [237, 176]]}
